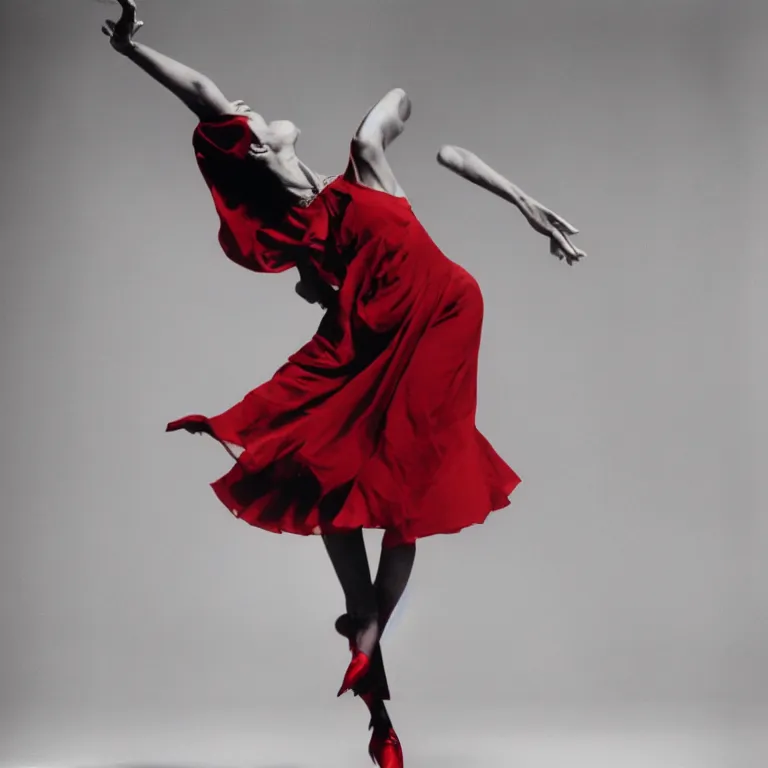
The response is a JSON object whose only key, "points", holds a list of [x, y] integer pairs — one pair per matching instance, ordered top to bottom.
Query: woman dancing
{"points": [[372, 423]]}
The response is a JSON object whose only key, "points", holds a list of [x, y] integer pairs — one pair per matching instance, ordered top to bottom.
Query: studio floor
{"points": [[337, 739]]}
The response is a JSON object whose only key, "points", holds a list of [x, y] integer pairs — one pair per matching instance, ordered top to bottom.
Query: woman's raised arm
{"points": [[198, 92], [380, 127]]}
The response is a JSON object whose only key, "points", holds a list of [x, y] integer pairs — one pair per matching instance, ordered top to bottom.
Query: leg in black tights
{"points": [[350, 561], [394, 571], [370, 605]]}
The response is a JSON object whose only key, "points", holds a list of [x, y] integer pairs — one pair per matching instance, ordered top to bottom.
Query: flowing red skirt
{"points": [[393, 445]]}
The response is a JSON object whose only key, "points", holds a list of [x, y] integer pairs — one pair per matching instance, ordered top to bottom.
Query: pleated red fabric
{"points": [[372, 423]]}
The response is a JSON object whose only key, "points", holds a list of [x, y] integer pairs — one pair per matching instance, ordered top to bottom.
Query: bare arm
{"points": [[198, 92], [385, 121], [379, 128], [470, 167]]}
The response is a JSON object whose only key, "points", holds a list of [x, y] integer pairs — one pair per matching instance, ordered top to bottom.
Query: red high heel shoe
{"points": [[360, 665], [356, 671], [385, 751]]}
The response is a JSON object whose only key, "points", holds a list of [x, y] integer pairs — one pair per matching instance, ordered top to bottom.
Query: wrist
{"points": [[127, 49], [514, 195]]}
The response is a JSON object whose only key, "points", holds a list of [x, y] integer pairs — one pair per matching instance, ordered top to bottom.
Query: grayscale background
{"points": [[615, 614]]}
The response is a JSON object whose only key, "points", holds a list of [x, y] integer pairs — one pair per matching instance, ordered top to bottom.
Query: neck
{"points": [[297, 177], [313, 179]]}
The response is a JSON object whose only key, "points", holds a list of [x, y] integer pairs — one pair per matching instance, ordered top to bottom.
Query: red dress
{"points": [[372, 423]]}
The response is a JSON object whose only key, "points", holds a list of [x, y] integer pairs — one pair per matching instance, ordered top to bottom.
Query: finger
{"points": [[129, 13], [127, 19], [110, 25], [106, 30], [561, 224], [564, 226], [564, 243], [571, 248], [578, 256]]}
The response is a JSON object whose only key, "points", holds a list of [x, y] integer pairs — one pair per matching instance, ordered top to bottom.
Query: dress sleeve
{"points": [[247, 201]]}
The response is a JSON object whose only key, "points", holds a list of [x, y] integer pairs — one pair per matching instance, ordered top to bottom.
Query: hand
{"points": [[121, 34], [557, 229], [307, 292], [195, 425], [198, 428]]}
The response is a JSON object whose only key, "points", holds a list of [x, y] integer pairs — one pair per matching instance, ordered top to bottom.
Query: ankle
{"points": [[367, 636], [379, 716]]}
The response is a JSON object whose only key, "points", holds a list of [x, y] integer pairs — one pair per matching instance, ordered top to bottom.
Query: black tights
{"points": [[370, 604]]}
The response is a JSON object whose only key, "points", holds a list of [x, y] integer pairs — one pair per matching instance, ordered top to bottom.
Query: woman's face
{"points": [[283, 133], [279, 135]]}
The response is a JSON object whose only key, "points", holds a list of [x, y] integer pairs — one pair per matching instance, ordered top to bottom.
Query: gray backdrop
{"points": [[628, 392]]}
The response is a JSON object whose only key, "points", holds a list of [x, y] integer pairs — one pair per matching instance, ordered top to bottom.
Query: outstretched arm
{"points": [[198, 92], [470, 167]]}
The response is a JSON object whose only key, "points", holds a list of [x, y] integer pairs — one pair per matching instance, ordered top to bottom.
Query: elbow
{"points": [[202, 86], [199, 93], [206, 100], [403, 103], [450, 157]]}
